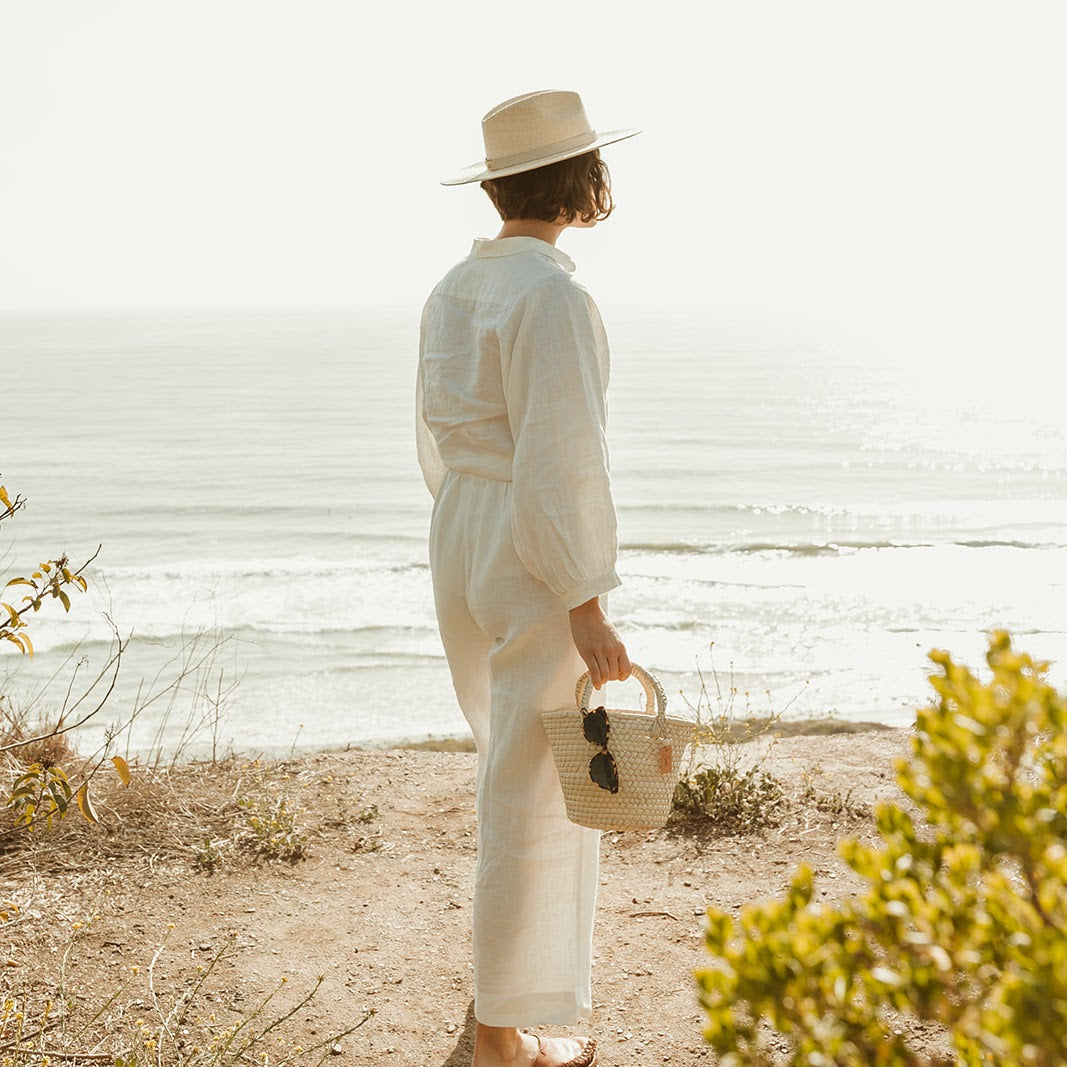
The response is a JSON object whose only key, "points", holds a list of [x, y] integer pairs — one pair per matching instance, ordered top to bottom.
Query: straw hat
{"points": [[531, 131]]}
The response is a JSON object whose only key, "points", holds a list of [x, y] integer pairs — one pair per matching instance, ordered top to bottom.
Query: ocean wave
{"points": [[730, 509], [271, 513], [1009, 544], [811, 548], [815, 548], [303, 568], [677, 624], [331, 629], [91, 640]]}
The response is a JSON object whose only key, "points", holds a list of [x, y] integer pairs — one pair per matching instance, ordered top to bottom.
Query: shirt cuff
{"points": [[595, 587]]}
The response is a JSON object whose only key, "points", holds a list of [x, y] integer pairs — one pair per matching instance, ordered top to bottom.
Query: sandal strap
{"points": [[585, 1058]]}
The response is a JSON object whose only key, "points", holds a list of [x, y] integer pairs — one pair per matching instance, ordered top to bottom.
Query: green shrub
{"points": [[720, 788], [41, 793], [736, 800], [271, 830], [961, 932]]}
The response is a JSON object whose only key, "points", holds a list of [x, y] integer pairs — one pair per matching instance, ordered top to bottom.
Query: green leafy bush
{"points": [[52, 579], [720, 787], [41, 792], [736, 800], [272, 830], [961, 932]]}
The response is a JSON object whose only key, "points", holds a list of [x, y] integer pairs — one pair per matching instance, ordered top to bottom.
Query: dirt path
{"points": [[381, 909]]}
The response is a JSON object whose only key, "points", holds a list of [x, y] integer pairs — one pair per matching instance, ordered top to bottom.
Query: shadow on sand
{"points": [[463, 1053]]}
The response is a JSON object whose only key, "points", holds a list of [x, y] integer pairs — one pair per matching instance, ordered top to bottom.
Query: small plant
{"points": [[720, 723], [42, 793], [729, 794], [734, 800], [835, 803], [346, 817], [273, 832], [207, 857], [961, 933]]}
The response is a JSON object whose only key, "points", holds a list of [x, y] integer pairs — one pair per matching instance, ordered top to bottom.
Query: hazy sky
{"points": [[893, 173]]}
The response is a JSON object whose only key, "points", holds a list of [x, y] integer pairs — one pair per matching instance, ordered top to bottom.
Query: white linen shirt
{"points": [[513, 369]]}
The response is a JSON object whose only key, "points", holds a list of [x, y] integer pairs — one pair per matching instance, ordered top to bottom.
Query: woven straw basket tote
{"points": [[647, 750]]}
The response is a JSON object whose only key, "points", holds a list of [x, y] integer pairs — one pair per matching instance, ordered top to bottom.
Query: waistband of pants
{"points": [[476, 476]]}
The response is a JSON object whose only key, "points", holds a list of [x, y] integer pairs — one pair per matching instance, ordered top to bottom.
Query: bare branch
{"points": [[114, 662]]}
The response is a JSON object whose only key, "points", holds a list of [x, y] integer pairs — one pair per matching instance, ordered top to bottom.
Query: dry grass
{"points": [[226, 813], [199, 817]]}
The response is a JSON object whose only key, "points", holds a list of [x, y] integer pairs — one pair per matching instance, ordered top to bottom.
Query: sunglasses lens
{"points": [[595, 726], [603, 771]]}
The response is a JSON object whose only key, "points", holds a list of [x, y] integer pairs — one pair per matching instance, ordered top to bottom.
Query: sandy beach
{"points": [[378, 903]]}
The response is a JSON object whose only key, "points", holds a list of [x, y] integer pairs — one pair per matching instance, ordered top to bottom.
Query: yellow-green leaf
{"points": [[123, 768], [59, 799], [85, 805]]}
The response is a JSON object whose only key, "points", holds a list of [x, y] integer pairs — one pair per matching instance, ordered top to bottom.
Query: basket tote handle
{"points": [[654, 697]]}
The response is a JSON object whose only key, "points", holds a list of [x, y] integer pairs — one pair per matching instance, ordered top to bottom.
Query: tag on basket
{"points": [[666, 757]]}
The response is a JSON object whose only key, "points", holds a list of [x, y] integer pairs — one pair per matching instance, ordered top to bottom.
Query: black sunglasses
{"points": [[602, 767]]}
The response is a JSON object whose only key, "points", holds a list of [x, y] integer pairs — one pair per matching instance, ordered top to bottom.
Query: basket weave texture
{"points": [[636, 741]]}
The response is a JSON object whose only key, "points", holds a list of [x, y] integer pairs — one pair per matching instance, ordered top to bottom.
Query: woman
{"points": [[513, 367]]}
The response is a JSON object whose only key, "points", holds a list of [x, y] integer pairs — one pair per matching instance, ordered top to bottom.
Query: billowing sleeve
{"points": [[555, 376], [433, 467]]}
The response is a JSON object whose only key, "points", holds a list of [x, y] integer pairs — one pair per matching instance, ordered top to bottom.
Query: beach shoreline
{"points": [[464, 742]]}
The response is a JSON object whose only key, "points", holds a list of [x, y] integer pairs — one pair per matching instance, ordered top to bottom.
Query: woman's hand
{"points": [[599, 644]]}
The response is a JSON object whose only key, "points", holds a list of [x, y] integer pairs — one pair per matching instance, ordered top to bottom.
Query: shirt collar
{"points": [[509, 246]]}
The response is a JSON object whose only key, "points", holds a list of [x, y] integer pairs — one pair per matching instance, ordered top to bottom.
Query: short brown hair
{"points": [[575, 188]]}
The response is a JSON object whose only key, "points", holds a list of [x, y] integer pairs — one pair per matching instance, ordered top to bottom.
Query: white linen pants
{"points": [[509, 647]]}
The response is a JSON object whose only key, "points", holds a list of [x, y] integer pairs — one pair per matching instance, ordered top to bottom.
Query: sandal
{"points": [[586, 1058]]}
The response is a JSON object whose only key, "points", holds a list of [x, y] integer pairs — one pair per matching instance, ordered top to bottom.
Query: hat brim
{"points": [[479, 172]]}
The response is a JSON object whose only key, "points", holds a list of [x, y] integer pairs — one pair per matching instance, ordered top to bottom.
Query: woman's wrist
{"points": [[589, 610]]}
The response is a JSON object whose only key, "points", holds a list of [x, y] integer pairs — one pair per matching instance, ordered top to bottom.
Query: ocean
{"points": [[798, 526]]}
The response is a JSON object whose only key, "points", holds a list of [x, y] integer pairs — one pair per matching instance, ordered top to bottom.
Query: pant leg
{"points": [[466, 645], [467, 652], [536, 880], [535, 889]]}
